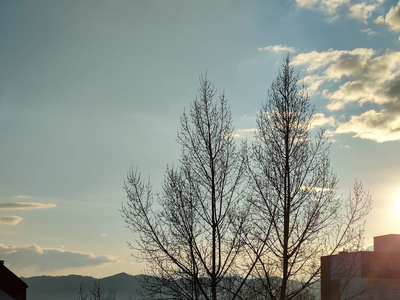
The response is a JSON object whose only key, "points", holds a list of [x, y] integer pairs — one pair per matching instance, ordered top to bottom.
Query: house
{"points": [[364, 274], [11, 286]]}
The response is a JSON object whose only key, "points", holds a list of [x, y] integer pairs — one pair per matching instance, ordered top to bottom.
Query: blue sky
{"points": [[90, 88]]}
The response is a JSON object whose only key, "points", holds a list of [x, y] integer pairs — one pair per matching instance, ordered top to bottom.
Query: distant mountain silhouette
{"points": [[67, 287]]}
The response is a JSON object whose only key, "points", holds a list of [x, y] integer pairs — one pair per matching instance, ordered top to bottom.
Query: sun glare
{"points": [[397, 206]]}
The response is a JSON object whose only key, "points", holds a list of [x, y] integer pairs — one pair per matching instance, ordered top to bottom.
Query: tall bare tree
{"points": [[296, 195], [192, 233], [95, 293], [82, 295]]}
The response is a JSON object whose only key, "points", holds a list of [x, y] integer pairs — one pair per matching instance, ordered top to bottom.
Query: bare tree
{"points": [[296, 193], [192, 234], [95, 293], [82, 295]]}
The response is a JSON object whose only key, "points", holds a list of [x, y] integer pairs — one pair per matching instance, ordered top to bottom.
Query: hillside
{"points": [[67, 287]]}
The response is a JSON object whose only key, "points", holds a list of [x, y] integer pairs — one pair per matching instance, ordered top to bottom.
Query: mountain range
{"points": [[67, 287]]}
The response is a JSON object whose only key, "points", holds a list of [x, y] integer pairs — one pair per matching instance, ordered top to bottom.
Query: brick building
{"points": [[363, 275]]}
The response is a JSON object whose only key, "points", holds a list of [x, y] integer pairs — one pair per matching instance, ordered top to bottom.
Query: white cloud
{"points": [[307, 3], [329, 7], [334, 9], [362, 11], [392, 18], [380, 20], [369, 31], [277, 49], [315, 60], [358, 77], [366, 78], [313, 82], [321, 120], [372, 125], [242, 133], [316, 189], [21, 197], [25, 205], [10, 220], [50, 259]]}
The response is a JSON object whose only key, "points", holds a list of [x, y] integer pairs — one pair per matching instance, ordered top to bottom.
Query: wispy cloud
{"points": [[307, 3], [329, 7], [334, 9], [362, 11], [369, 31], [277, 49], [359, 76], [313, 82], [322, 120], [242, 133], [316, 189], [21, 197], [25, 205], [10, 220], [50, 259]]}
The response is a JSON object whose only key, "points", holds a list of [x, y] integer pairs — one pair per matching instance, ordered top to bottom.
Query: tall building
{"points": [[363, 275]]}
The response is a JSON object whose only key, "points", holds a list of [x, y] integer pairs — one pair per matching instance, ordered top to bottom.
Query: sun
{"points": [[397, 206]]}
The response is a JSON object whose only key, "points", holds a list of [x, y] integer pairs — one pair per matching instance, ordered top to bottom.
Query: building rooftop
{"points": [[11, 284]]}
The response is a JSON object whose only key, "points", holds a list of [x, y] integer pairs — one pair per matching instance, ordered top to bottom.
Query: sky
{"points": [[90, 88]]}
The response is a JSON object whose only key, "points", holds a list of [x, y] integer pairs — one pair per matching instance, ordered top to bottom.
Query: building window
{"points": [[373, 285], [394, 285]]}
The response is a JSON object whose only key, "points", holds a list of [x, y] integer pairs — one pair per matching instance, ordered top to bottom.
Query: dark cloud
{"points": [[360, 76], [392, 91], [381, 126], [49, 259]]}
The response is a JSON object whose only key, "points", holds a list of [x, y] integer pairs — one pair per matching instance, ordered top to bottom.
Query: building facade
{"points": [[364, 275]]}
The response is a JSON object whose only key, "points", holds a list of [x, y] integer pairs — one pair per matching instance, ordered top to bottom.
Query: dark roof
{"points": [[9, 279]]}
